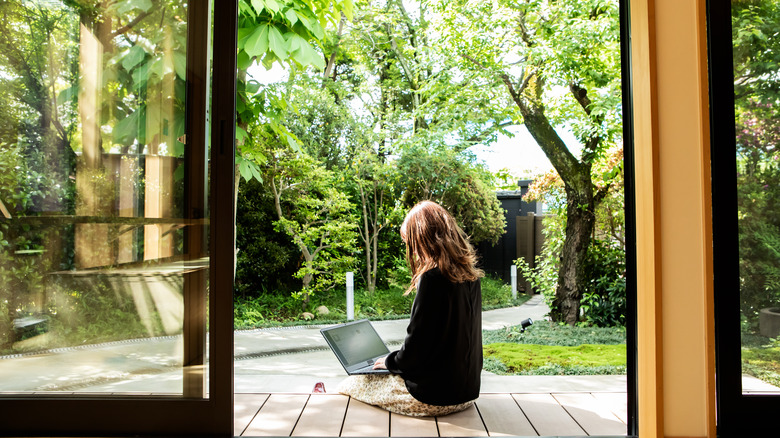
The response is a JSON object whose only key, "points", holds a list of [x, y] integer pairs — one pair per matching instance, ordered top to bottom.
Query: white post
{"points": [[514, 282], [350, 296]]}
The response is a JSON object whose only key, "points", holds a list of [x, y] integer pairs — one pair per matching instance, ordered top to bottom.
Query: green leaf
{"points": [[129, 5], [259, 5], [272, 5], [244, 7], [347, 9], [291, 16], [312, 24], [243, 35], [257, 43], [278, 44], [304, 53], [134, 56], [243, 60], [180, 64], [252, 87], [69, 94], [131, 127], [241, 134], [293, 143], [244, 170]]}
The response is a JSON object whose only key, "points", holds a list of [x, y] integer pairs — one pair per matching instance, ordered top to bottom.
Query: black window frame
{"points": [[738, 414]]}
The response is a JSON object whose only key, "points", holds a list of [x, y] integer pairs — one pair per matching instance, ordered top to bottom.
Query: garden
{"points": [[348, 113]]}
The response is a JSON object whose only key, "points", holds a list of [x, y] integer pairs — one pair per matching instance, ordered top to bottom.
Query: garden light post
{"points": [[513, 270], [350, 296]]}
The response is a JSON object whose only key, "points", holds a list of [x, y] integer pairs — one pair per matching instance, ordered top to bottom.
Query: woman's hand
{"points": [[380, 363]]}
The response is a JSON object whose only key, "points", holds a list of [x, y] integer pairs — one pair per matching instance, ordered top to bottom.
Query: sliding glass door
{"points": [[745, 97], [112, 311]]}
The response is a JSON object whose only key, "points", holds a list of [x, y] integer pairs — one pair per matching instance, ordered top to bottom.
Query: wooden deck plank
{"points": [[617, 402], [245, 406], [278, 416], [322, 416], [502, 416], [547, 416], [596, 418], [365, 420], [464, 423], [402, 425]]}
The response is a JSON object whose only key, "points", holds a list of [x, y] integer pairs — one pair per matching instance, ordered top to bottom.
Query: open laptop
{"points": [[357, 345]]}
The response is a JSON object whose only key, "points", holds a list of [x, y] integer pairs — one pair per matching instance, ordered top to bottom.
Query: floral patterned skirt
{"points": [[388, 391]]}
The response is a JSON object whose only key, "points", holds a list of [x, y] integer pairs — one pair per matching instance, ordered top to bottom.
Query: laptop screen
{"points": [[355, 342]]}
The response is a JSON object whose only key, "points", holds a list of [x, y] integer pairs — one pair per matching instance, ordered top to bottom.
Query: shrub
{"points": [[604, 299]]}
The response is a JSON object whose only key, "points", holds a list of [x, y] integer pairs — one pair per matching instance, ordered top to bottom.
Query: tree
{"points": [[755, 25], [535, 50], [375, 181], [462, 187], [313, 211], [604, 293]]}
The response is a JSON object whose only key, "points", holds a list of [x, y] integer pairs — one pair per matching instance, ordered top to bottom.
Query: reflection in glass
{"points": [[756, 24], [96, 248]]}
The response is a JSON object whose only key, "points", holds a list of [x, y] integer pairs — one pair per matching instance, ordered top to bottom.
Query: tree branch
{"points": [[122, 30], [581, 96]]}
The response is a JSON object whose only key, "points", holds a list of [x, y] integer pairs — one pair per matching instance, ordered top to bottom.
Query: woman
{"points": [[437, 369]]}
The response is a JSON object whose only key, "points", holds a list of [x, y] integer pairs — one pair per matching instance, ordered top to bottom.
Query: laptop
{"points": [[357, 345]]}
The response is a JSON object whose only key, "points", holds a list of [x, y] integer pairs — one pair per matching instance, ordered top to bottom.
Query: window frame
{"points": [[64, 415]]}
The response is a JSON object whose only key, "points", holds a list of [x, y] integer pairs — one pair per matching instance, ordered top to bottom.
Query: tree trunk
{"points": [[580, 203], [580, 221]]}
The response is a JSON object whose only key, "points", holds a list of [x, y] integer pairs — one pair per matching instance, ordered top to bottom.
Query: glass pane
{"points": [[757, 104], [102, 269]]}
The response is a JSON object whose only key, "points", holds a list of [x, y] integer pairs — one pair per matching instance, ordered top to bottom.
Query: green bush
{"points": [[267, 259], [497, 294], [604, 298], [272, 309]]}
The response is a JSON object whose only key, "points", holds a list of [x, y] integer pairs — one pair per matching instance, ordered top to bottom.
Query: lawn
{"points": [[551, 349], [761, 358]]}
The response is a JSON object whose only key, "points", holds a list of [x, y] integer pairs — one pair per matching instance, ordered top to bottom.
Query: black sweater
{"points": [[441, 357]]}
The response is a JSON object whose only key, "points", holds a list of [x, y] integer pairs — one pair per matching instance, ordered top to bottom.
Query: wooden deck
{"points": [[334, 415]]}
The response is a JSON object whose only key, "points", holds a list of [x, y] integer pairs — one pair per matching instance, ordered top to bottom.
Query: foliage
{"points": [[269, 31], [534, 50], [756, 50], [757, 99], [758, 182], [462, 187], [313, 211], [267, 259], [543, 276], [603, 289], [497, 294], [604, 298], [272, 309], [79, 314], [549, 333], [761, 357], [558, 360]]}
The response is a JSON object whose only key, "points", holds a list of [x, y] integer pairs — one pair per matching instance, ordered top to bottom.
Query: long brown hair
{"points": [[434, 239]]}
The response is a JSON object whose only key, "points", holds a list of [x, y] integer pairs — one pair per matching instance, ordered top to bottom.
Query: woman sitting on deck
{"points": [[437, 369]]}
